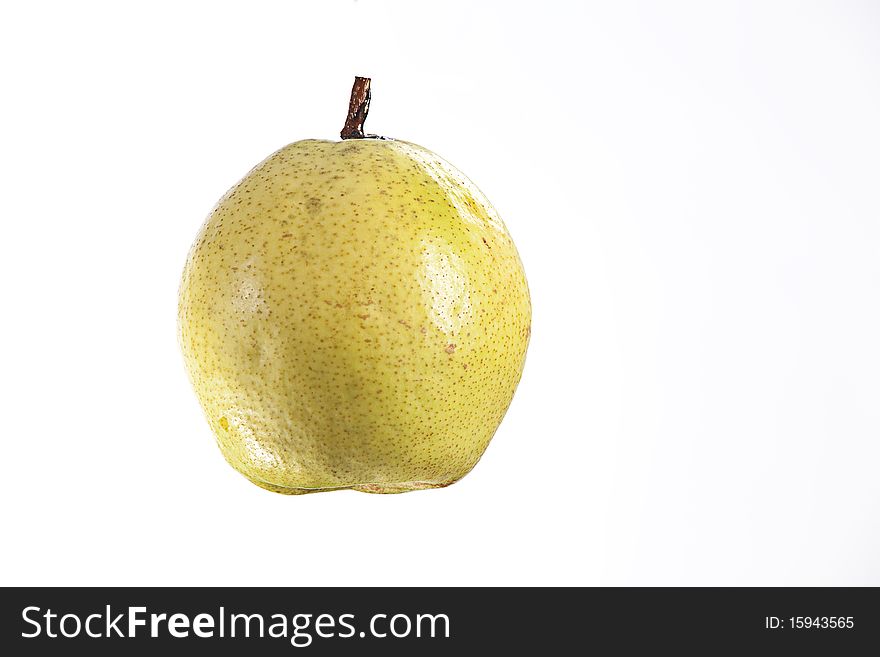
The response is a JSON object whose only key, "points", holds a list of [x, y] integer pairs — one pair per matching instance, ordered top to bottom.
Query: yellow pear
{"points": [[354, 315]]}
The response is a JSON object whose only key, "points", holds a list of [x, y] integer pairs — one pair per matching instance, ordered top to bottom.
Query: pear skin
{"points": [[354, 315]]}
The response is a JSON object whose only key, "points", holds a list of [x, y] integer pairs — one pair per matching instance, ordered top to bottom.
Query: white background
{"points": [[693, 188]]}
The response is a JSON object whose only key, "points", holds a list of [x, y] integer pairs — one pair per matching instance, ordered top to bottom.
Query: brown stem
{"points": [[358, 107]]}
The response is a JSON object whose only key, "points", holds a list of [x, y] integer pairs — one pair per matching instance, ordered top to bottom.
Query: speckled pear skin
{"points": [[354, 315]]}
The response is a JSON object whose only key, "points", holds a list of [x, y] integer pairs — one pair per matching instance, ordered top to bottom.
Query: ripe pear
{"points": [[354, 315]]}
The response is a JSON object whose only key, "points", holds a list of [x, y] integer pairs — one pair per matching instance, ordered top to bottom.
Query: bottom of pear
{"points": [[381, 489]]}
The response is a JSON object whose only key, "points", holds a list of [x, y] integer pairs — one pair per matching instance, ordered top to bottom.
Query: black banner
{"points": [[421, 621]]}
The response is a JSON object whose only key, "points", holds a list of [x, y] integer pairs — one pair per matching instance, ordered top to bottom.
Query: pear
{"points": [[354, 315]]}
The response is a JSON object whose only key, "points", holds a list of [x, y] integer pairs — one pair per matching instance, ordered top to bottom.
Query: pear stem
{"points": [[358, 107]]}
